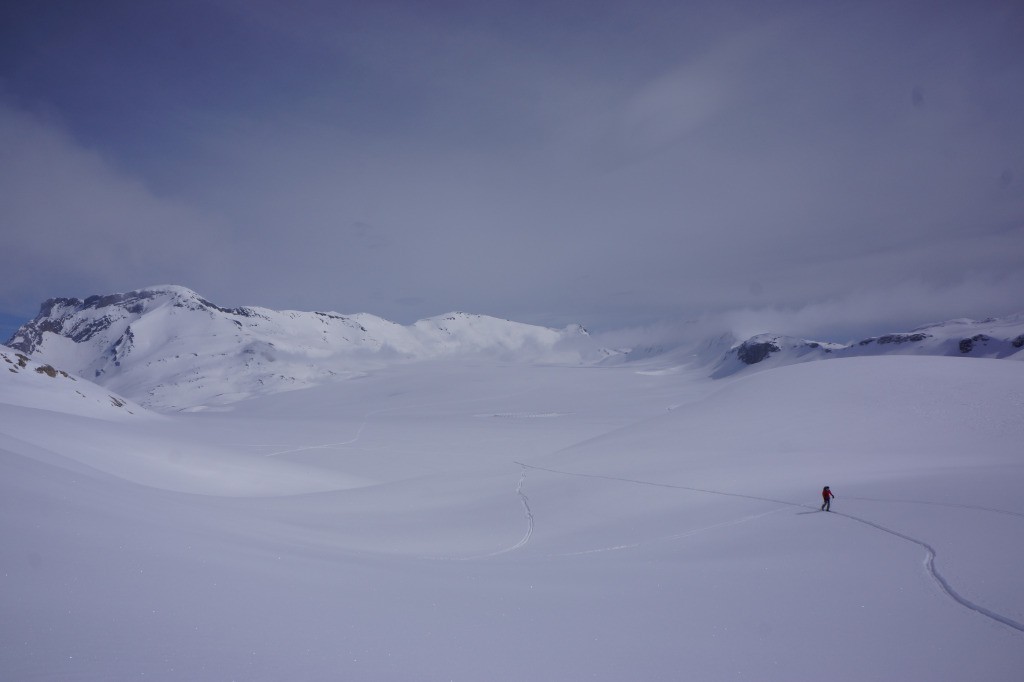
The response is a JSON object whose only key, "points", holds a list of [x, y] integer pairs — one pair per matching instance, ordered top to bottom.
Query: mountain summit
{"points": [[168, 347]]}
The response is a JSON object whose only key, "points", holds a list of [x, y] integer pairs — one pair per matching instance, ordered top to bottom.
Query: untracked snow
{"points": [[454, 520]]}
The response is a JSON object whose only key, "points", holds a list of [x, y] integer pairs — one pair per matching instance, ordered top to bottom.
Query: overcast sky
{"points": [[799, 167]]}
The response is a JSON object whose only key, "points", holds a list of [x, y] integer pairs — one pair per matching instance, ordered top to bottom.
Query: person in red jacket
{"points": [[827, 496]]}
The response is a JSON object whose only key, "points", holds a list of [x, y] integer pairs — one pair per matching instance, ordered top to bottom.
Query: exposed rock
{"points": [[895, 338], [990, 338], [967, 345], [752, 352], [48, 370]]}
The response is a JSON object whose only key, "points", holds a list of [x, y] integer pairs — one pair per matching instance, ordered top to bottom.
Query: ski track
{"points": [[523, 415], [328, 446], [667, 485], [525, 501], [938, 504], [526, 510], [528, 513], [930, 553], [929, 564]]}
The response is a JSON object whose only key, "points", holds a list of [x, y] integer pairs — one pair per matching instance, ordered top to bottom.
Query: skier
{"points": [[827, 496]]}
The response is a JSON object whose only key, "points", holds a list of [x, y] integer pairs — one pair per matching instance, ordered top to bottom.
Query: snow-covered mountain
{"points": [[990, 338], [168, 347]]}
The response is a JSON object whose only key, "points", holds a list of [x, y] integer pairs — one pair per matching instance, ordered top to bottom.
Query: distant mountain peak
{"points": [[82, 319], [990, 338]]}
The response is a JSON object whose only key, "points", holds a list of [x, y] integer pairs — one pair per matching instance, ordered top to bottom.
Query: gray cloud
{"points": [[597, 163], [74, 224], [908, 304]]}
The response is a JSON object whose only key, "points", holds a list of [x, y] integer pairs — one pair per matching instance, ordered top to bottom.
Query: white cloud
{"points": [[877, 310]]}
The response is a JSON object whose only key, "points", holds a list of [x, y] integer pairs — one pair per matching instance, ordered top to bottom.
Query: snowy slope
{"points": [[991, 338], [169, 348], [37, 385], [490, 521]]}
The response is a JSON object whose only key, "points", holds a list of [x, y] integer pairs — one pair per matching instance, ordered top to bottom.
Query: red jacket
{"points": [[826, 493]]}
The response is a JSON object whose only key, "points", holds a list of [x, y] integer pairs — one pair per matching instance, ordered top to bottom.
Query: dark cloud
{"points": [[585, 162]]}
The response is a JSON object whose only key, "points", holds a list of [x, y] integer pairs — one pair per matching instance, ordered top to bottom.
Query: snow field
{"points": [[400, 527]]}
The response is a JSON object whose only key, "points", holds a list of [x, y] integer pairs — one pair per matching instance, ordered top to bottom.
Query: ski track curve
{"points": [[666, 485], [527, 512], [930, 553], [929, 564]]}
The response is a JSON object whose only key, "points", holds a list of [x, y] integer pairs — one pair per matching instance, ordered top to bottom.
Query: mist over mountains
{"points": [[169, 348]]}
